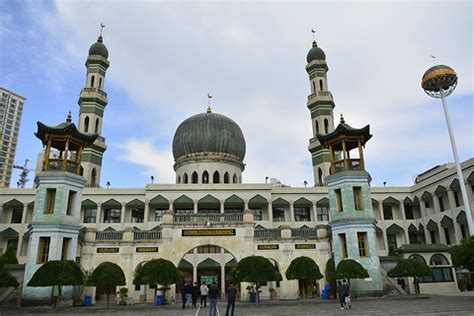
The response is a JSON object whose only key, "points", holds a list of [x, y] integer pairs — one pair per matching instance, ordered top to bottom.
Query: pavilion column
{"points": [[65, 153], [344, 154], [361, 156], [195, 206], [222, 206], [270, 211], [292, 212], [315, 212], [99, 213], [122, 213], [24, 214], [146, 215], [384, 233]]}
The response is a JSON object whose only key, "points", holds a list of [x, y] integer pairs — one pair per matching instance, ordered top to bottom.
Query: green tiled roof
{"points": [[424, 248]]}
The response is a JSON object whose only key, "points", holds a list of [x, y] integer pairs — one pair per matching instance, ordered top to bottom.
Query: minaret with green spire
{"points": [[92, 103], [321, 105], [351, 216]]}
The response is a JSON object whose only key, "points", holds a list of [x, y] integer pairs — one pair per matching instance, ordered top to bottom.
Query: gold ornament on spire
{"points": [[102, 25], [209, 97], [69, 119]]}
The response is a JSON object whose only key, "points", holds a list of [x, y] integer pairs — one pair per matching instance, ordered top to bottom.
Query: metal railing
{"points": [[93, 90], [324, 94], [55, 164], [352, 164], [219, 217], [304, 232], [267, 233], [109, 235], [147, 235]]}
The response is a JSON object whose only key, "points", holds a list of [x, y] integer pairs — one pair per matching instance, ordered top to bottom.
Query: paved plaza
{"points": [[459, 304]]}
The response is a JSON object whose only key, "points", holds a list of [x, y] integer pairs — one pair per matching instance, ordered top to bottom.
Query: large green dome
{"points": [[98, 48], [209, 133]]}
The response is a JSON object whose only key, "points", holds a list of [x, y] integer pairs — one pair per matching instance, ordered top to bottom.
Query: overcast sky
{"points": [[165, 57]]}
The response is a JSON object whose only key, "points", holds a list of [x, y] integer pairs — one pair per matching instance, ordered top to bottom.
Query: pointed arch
{"points": [[92, 81], [321, 85], [314, 87], [86, 124], [316, 124], [97, 126], [326, 126], [320, 176], [194, 177], [205, 177], [216, 177], [226, 177], [93, 178], [185, 178], [234, 178], [179, 179]]}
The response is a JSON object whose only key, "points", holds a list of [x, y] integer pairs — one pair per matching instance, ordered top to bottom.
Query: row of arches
{"points": [[86, 125], [326, 126], [205, 178]]}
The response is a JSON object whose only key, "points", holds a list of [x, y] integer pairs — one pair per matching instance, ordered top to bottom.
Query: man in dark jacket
{"points": [[195, 294], [213, 295], [231, 296]]}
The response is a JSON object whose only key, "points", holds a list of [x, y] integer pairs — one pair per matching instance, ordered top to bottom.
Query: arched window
{"points": [[92, 81], [100, 83], [320, 85], [314, 87], [86, 124], [316, 125], [96, 126], [326, 126], [81, 171], [320, 176], [194, 177], [205, 177], [216, 177], [226, 177], [93, 178], [185, 178], [234, 178], [179, 179], [417, 257], [438, 260]]}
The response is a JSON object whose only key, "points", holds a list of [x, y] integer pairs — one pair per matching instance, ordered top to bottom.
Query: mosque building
{"points": [[210, 218]]}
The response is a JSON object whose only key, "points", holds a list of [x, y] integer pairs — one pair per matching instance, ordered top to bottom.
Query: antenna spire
{"points": [[102, 25], [314, 37], [434, 59], [209, 97], [342, 119]]}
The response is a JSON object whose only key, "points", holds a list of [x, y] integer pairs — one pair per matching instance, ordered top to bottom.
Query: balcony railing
{"points": [[94, 90], [323, 95], [55, 164], [352, 164], [198, 218], [304, 232], [267, 233], [109, 235], [147, 235]]}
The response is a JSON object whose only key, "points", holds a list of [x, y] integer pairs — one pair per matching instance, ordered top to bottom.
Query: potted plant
{"points": [[272, 293], [123, 295]]}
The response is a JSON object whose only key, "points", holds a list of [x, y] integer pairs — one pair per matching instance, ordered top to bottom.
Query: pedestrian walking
{"points": [[204, 291], [340, 292], [195, 293], [188, 294], [347, 294], [213, 295], [231, 296]]}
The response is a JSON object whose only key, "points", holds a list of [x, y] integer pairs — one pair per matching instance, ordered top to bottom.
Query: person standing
{"points": [[188, 290], [204, 290], [340, 292], [195, 293], [347, 293], [213, 294], [231, 296]]}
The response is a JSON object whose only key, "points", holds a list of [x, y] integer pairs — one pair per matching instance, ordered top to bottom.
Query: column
{"points": [[451, 201], [246, 204], [170, 206], [195, 206], [222, 206], [437, 207], [423, 208], [402, 210], [270, 211], [292, 212], [315, 212], [1, 213], [25, 213], [99, 213], [122, 213], [146, 214], [405, 225], [457, 232], [384, 233], [20, 245], [195, 272], [222, 280]]}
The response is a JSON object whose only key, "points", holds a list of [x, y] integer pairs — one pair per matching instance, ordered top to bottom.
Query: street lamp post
{"points": [[439, 82]]}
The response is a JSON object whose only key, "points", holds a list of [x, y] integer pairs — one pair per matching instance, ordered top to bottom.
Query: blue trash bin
{"points": [[87, 300], [159, 300]]}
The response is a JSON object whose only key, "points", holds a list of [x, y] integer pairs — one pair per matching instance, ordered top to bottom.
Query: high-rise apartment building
{"points": [[11, 108]]}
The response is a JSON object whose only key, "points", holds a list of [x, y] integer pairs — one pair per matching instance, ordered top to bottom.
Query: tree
{"points": [[463, 254], [9, 257], [410, 268], [255, 269], [303, 269], [350, 269], [157, 271], [57, 273], [108, 275], [331, 276], [6, 279]]}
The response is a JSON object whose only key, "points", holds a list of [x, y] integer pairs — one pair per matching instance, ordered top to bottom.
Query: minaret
{"points": [[92, 103], [321, 105], [351, 217], [54, 229]]}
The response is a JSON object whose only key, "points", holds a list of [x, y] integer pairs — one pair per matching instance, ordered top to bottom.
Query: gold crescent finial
{"points": [[102, 25], [209, 97]]}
